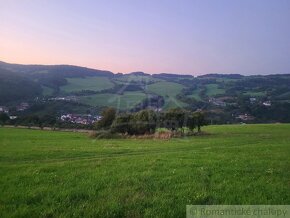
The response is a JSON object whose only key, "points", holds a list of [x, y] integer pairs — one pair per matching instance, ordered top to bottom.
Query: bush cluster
{"points": [[147, 121]]}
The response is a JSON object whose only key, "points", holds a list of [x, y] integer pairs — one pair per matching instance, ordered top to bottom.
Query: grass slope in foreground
{"points": [[57, 174]]}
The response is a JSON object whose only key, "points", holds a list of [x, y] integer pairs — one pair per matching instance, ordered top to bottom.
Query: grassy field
{"points": [[137, 78], [88, 83], [165, 88], [213, 89], [168, 90], [46, 91], [255, 94], [195, 95], [285, 96], [126, 101], [58, 174]]}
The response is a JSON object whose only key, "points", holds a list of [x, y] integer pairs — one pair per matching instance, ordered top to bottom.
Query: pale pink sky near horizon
{"points": [[166, 36]]}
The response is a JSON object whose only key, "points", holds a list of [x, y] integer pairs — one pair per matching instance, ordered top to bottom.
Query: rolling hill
{"points": [[15, 86], [223, 95]]}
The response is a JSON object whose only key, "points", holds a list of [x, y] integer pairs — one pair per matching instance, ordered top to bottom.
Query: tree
{"points": [[108, 116], [3, 118], [174, 119], [199, 119], [31, 120], [47, 120], [191, 121], [144, 122], [138, 123], [122, 124]]}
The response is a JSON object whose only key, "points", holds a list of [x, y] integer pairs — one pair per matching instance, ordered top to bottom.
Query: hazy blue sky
{"points": [[185, 36]]}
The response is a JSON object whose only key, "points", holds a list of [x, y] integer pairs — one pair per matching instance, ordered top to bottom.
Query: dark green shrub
{"points": [[108, 116], [105, 134]]}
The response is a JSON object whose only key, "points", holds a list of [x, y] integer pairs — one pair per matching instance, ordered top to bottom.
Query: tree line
{"points": [[147, 121], [132, 123]]}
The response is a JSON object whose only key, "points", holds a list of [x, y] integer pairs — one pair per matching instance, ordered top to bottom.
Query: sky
{"points": [[154, 36]]}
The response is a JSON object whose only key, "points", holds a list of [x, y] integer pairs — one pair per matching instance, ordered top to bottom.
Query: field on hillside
{"points": [[136, 78], [88, 83], [165, 88], [213, 89], [168, 90], [46, 91], [255, 94], [195, 95], [125, 101], [58, 174]]}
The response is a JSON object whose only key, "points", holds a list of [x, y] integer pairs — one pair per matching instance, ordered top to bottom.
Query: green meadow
{"points": [[136, 78], [87, 83], [165, 88], [213, 89], [168, 90], [46, 91], [256, 93], [195, 95], [125, 101], [66, 174]]}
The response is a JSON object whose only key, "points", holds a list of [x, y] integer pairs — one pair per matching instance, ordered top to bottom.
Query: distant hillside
{"points": [[59, 70], [227, 76], [14, 87], [223, 96]]}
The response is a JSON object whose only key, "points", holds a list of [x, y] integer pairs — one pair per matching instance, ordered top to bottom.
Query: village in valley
{"points": [[76, 95], [20, 110], [89, 119]]}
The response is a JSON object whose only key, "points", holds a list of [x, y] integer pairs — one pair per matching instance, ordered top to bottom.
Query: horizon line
{"points": [[140, 71]]}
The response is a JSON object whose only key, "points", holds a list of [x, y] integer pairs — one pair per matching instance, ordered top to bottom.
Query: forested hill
{"points": [[56, 70], [15, 86], [224, 96]]}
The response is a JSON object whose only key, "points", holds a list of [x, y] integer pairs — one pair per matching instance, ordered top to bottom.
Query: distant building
{"points": [[66, 98], [253, 100], [217, 102], [267, 103], [22, 107], [4, 109], [156, 109], [12, 117], [245, 117], [84, 119]]}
